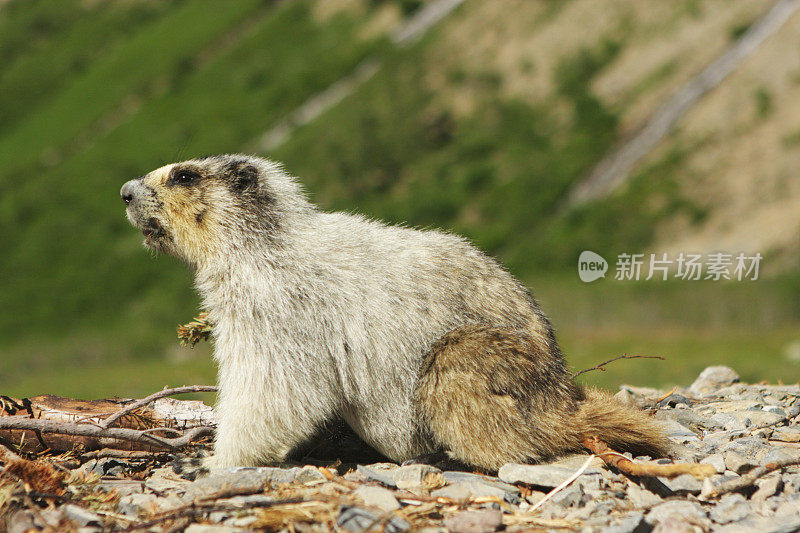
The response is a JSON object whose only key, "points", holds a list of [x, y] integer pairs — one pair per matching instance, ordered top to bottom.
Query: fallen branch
{"points": [[601, 366], [153, 397], [88, 430], [116, 454], [627, 466], [747, 479], [199, 508]]}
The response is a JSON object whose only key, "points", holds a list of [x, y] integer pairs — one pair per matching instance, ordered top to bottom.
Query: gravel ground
{"points": [[731, 426]]}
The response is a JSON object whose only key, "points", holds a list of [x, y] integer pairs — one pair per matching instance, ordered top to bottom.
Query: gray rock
{"points": [[712, 379], [674, 400], [755, 418], [689, 419], [729, 422], [678, 432], [787, 434], [779, 453], [716, 460], [738, 462], [308, 474], [539, 475], [381, 476], [413, 476], [457, 477], [244, 478], [165, 479], [683, 484], [767, 486], [123, 487], [465, 490], [378, 497], [568, 497], [640, 497], [136, 504], [789, 507], [680, 508], [731, 508], [81, 516], [356, 520], [475, 521], [628, 524], [679, 524], [212, 528]]}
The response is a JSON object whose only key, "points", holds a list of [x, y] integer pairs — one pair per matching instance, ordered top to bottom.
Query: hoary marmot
{"points": [[419, 341]]}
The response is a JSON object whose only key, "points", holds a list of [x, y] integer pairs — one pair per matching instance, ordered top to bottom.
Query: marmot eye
{"points": [[183, 177]]}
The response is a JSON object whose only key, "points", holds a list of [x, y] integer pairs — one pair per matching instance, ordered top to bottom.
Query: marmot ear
{"points": [[243, 176]]}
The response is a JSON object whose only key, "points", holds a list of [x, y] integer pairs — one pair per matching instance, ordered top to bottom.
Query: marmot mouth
{"points": [[153, 229]]}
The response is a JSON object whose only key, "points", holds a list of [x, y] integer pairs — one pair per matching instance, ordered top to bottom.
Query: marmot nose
{"points": [[127, 192]]}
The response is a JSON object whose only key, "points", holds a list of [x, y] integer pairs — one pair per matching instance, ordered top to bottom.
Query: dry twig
{"points": [[602, 365], [153, 397], [88, 430], [627, 466], [748, 479], [564, 484]]}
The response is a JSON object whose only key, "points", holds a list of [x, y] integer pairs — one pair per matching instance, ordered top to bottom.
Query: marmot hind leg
{"points": [[491, 396]]}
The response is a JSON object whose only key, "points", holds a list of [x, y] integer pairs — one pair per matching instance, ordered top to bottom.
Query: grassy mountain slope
{"points": [[481, 127]]}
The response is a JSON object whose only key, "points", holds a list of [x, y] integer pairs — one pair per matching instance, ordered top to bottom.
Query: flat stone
{"points": [[712, 379], [756, 418], [689, 419], [729, 422], [678, 432], [786, 434], [779, 453], [716, 460], [738, 462], [308, 474], [539, 475], [381, 476], [413, 476], [457, 477], [244, 478], [165, 479], [683, 484], [767, 486], [123, 487], [464, 490], [571, 496], [378, 497], [640, 497], [136, 504], [680, 508], [731, 508], [81, 516], [357, 519], [475, 521], [628, 524], [212, 528]]}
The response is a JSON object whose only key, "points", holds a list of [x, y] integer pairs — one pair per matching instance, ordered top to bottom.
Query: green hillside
{"points": [[95, 93]]}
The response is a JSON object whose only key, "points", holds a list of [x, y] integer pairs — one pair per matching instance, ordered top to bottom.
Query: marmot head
{"points": [[198, 209]]}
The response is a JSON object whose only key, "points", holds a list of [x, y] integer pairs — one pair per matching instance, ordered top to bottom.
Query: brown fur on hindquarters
{"points": [[491, 396]]}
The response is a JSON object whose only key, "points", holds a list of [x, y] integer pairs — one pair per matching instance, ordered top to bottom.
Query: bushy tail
{"points": [[624, 428]]}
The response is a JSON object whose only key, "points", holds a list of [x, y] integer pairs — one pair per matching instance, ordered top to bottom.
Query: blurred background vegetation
{"points": [[481, 127]]}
